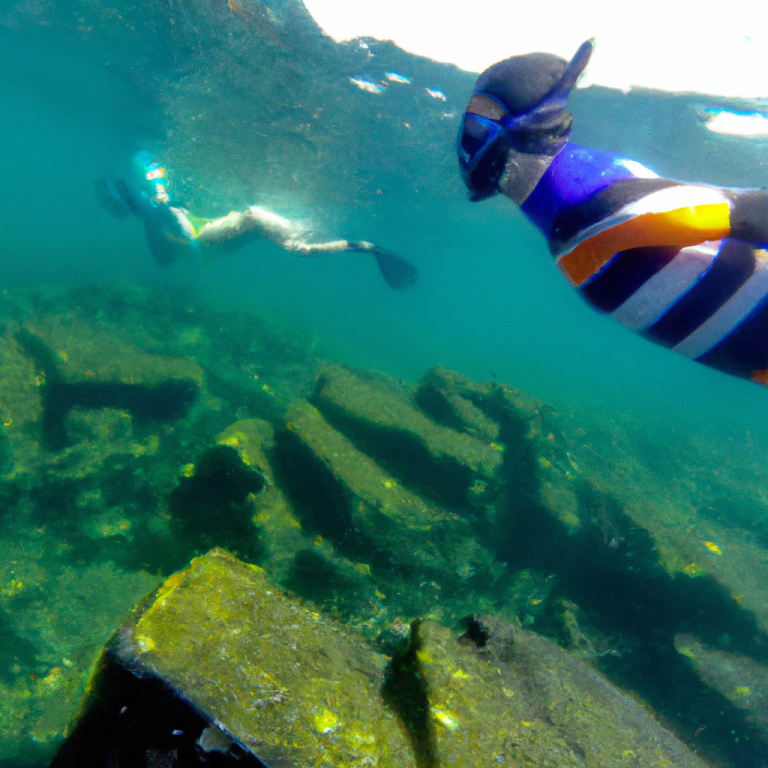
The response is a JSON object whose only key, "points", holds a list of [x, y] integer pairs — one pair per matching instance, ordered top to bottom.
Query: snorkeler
{"points": [[172, 230], [683, 264]]}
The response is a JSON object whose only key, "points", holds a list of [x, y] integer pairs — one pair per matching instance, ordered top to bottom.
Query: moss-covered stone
{"points": [[86, 353], [443, 395], [374, 404], [21, 407], [414, 534], [54, 627], [740, 679], [283, 681], [504, 695]]}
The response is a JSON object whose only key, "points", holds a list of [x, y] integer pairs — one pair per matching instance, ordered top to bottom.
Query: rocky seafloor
{"points": [[473, 576]]}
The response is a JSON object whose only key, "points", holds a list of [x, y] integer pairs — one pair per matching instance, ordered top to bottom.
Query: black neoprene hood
{"points": [[521, 82]]}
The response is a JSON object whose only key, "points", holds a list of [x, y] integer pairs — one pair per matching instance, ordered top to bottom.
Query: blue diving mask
{"points": [[489, 130]]}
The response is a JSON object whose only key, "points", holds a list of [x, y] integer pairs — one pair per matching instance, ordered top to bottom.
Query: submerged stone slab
{"points": [[84, 353], [443, 394], [375, 404], [415, 534], [741, 679], [284, 682], [515, 698]]}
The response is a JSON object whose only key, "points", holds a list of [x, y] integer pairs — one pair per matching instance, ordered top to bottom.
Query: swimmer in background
{"points": [[172, 230], [682, 264]]}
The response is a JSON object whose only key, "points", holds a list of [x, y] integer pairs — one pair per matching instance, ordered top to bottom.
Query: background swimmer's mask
{"points": [[518, 105]]}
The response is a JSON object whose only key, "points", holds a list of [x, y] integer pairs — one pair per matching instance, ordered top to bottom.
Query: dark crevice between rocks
{"points": [[168, 401], [252, 401], [435, 405], [404, 456], [314, 493], [319, 500], [211, 508], [521, 524], [611, 570], [313, 577], [475, 632], [16, 653], [405, 692], [139, 722]]}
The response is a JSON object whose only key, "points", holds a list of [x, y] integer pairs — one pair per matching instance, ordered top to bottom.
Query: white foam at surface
{"points": [[715, 47]]}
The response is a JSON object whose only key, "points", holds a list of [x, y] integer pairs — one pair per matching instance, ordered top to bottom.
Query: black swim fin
{"points": [[117, 197], [163, 243], [397, 272]]}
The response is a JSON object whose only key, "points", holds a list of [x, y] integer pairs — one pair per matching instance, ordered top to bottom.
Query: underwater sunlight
{"points": [[286, 384]]}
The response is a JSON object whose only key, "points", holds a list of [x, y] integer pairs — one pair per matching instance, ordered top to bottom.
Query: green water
{"points": [[277, 122]]}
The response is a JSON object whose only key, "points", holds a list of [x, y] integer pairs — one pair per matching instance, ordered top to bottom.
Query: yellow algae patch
{"points": [[250, 438], [188, 470], [478, 487], [712, 547], [13, 588], [145, 643], [423, 656], [53, 677], [446, 718], [326, 722]]}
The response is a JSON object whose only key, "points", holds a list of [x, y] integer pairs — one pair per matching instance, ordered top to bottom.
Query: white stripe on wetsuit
{"points": [[660, 292], [730, 315]]}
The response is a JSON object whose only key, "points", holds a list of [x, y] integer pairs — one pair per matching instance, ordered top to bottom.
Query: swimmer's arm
{"points": [[749, 215]]}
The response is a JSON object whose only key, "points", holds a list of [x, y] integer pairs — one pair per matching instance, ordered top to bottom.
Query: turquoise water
{"points": [[277, 122], [489, 301]]}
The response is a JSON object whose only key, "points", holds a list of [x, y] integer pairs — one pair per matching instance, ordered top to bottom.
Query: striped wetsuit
{"points": [[661, 256]]}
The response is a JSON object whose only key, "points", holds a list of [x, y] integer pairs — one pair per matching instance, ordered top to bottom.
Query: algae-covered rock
{"points": [[87, 353], [443, 395], [373, 404], [21, 407], [281, 530], [410, 532], [55, 625], [741, 679], [281, 680], [504, 695]]}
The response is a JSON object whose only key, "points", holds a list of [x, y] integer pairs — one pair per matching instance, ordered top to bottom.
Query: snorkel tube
{"points": [[517, 105]]}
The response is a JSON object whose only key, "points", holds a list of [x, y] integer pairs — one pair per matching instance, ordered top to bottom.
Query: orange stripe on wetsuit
{"points": [[680, 227]]}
